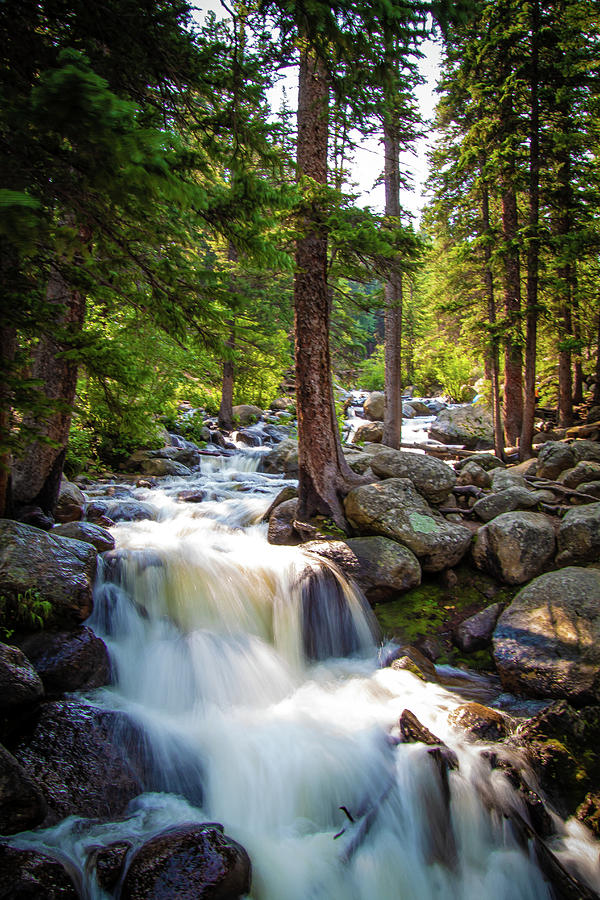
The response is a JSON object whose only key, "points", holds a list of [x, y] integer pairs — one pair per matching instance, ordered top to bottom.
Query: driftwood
{"points": [[578, 431]]}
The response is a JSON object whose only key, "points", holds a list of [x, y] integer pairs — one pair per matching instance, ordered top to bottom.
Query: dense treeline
{"points": [[162, 225]]}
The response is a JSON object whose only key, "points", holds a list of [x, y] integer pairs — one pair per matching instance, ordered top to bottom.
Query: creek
{"points": [[254, 672]]}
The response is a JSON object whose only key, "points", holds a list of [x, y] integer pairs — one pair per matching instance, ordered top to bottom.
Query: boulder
{"points": [[374, 406], [418, 407], [408, 411], [246, 414], [468, 425], [368, 431], [583, 449], [553, 458], [282, 459], [360, 460], [487, 461], [160, 467], [586, 470], [472, 473], [432, 478], [503, 479], [591, 488], [70, 504], [492, 505], [394, 509], [120, 510], [281, 527], [579, 535], [98, 537], [515, 546], [381, 567], [59, 569], [475, 633], [547, 642], [68, 660], [20, 685], [480, 723], [73, 755], [22, 805], [190, 862], [107, 863], [30, 875]]}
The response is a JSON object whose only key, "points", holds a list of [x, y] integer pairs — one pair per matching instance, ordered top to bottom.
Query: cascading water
{"points": [[264, 710]]}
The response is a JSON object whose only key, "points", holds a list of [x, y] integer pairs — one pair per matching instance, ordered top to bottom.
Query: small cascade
{"points": [[249, 674]]}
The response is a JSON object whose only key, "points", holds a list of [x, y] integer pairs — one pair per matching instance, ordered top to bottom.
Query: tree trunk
{"points": [[8, 347], [494, 356], [513, 360], [577, 365], [596, 394], [225, 417], [392, 425], [525, 446], [36, 475], [324, 475]]}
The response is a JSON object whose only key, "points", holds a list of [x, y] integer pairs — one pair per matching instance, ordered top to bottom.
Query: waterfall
{"points": [[252, 673]]}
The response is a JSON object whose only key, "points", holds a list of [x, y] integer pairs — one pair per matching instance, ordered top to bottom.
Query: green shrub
{"points": [[26, 611]]}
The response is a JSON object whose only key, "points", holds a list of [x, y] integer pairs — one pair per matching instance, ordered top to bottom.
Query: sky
{"points": [[368, 159]]}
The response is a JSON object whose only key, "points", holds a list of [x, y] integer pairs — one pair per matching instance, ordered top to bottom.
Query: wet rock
{"points": [[374, 406], [418, 407], [246, 414], [471, 426], [368, 431], [251, 437], [554, 456], [282, 459], [160, 467], [586, 470], [472, 473], [432, 478], [508, 500], [70, 504], [394, 509], [120, 510], [281, 524], [579, 535], [98, 537], [515, 546], [381, 567], [59, 569], [475, 633], [547, 642], [68, 660], [423, 662], [406, 664], [20, 684], [480, 722], [413, 731], [73, 754], [22, 805], [588, 812], [537, 815], [190, 862], [108, 863], [29, 875]]}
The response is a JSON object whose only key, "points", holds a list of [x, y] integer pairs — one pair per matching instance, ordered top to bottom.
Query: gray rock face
{"points": [[374, 406], [418, 407], [246, 414], [468, 425], [368, 431], [586, 450], [554, 456], [282, 458], [487, 461], [161, 467], [586, 470], [471, 473], [432, 478], [502, 479], [70, 504], [492, 505], [394, 509], [121, 510], [281, 530], [579, 535], [98, 537], [515, 546], [381, 567], [60, 569], [476, 632], [547, 642], [68, 660], [20, 684], [480, 722], [22, 805], [188, 862], [29, 874]]}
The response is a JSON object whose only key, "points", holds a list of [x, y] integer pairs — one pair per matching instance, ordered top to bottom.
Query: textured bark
{"points": [[565, 275], [8, 346], [494, 356], [513, 359], [577, 365], [596, 394], [226, 408], [392, 425], [525, 446], [324, 475], [36, 476]]}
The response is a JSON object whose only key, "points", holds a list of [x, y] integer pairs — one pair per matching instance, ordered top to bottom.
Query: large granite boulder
{"points": [[374, 406], [246, 413], [468, 425], [368, 431], [583, 449], [553, 458], [282, 459], [159, 467], [586, 470], [472, 473], [432, 478], [503, 479], [70, 504], [492, 505], [394, 509], [120, 510], [281, 524], [579, 535], [98, 537], [515, 546], [381, 567], [59, 569], [475, 633], [547, 642], [68, 660], [20, 684], [480, 723], [74, 756], [22, 805], [190, 862], [30, 875]]}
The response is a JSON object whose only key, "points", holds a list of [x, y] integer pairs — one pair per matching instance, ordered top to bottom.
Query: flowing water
{"points": [[254, 673]]}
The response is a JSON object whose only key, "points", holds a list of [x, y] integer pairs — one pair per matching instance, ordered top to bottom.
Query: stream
{"points": [[254, 671]]}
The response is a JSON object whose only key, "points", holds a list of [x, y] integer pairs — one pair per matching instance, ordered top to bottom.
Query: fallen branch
{"points": [[542, 483]]}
